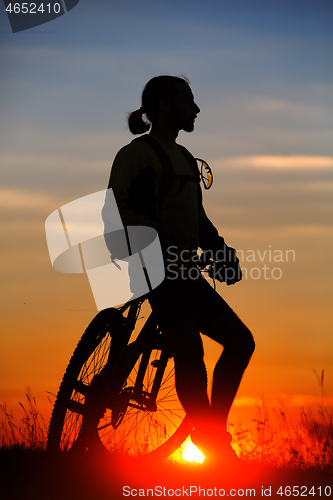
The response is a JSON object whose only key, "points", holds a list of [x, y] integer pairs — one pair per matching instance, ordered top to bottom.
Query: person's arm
{"points": [[133, 182], [209, 238], [216, 250]]}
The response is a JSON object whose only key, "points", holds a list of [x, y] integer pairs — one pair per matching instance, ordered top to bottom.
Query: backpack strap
{"points": [[192, 161], [169, 174]]}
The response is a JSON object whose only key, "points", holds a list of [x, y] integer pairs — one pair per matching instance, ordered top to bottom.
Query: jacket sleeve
{"points": [[133, 183], [209, 238], [211, 241]]}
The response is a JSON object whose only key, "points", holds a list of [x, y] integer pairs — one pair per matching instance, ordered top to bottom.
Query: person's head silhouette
{"points": [[167, 106]]}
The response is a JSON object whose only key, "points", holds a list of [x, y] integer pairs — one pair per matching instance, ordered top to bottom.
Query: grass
{"points": [[29, 432], [274, 439], [309, 443], [276, 454]]}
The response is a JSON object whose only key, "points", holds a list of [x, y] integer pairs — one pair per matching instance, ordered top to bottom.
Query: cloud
{"points": [[280, 162], [61, 175], [252, 193], [20, 200], [282, 400]]}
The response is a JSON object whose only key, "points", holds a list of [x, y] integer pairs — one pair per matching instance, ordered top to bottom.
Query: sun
{"points": [[191, 453]]}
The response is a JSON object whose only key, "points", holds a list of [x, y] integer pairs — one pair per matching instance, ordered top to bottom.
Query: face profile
{"points": [[184, 110]]}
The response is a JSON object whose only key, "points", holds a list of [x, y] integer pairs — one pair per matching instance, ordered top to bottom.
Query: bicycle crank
{"points": [[130, 397]]}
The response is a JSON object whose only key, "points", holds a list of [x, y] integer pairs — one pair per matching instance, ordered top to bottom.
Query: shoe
{"points": [[216, 447]]}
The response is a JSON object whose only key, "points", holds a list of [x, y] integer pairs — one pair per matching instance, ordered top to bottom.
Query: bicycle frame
{"points": [[120, 362], [116, 380]]}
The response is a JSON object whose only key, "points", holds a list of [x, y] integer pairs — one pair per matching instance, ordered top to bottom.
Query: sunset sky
{"points": [[261, 72]]}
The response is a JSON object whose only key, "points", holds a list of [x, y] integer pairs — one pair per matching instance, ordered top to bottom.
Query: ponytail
{"points": [[136, 123]]}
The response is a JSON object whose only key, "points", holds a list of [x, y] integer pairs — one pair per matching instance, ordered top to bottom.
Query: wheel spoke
{"points": [[138, 430]]}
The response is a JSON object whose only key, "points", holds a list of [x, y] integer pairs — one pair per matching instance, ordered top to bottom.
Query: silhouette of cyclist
{"points": [[155, 182]]}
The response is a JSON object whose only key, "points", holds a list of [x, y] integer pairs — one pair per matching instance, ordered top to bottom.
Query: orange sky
{"points": [[261, 77], [45, 312]]}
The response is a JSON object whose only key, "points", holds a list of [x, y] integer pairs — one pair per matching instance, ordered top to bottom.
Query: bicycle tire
{"points": [[91, 340], [88, 360]]}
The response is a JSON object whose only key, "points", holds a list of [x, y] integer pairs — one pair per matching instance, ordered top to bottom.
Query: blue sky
{"points": [[261, 72]]}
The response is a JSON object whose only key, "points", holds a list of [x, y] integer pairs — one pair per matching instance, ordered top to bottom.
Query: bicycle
{"points": [[118, 392]]}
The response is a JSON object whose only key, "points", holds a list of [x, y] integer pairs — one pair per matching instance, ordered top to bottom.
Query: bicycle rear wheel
{"points": [[88, 360], [120, 423]]}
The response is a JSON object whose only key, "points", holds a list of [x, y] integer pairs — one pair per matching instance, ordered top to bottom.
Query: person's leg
{"points": [[174, 304], [183, 311], [186, 346], [238, 346], [211, 435]]}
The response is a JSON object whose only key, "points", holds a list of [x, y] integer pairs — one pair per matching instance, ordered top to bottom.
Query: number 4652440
{"points": [[32, 8]]}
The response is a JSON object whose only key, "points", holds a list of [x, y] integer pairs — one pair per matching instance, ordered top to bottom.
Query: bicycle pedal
{"points": [[155, 363]]}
